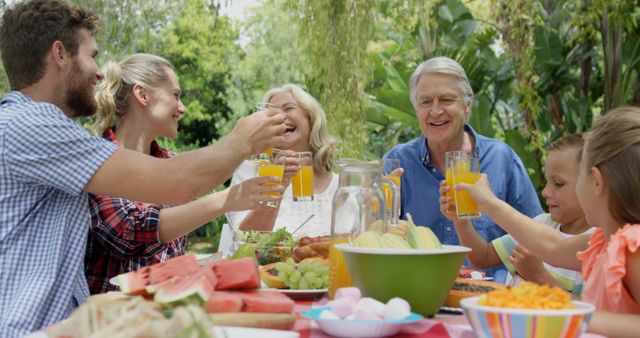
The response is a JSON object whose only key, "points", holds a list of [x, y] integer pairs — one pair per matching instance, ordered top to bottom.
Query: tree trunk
{"points": [[612, 49]]}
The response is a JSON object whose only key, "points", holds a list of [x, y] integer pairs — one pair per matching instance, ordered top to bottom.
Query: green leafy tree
{"points": [[127, 25], [444, 28], [335, 35], [200, 44], [273, 56], [539, 69]]}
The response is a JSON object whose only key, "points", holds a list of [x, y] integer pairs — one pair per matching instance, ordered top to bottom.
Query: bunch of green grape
{"points": [[308, 274]]}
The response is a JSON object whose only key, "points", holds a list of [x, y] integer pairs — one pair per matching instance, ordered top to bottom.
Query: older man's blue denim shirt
{"points": [[421, 182]]}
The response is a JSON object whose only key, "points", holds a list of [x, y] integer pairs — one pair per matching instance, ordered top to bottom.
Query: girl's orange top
{"points": [[604, 266]]}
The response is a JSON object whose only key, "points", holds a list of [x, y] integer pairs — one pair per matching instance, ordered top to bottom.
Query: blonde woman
{"points": [[139, 100], [306, 131]]}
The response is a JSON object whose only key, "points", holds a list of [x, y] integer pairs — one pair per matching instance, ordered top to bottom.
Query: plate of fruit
{"points": [[305, 280]]}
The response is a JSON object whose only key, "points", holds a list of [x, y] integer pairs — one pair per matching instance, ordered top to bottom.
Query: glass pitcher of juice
{"points": [[358, 205]]}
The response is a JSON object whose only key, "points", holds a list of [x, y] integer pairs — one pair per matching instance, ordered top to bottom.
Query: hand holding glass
{"points": [[260, 107], [272, 165], [463, 168]]}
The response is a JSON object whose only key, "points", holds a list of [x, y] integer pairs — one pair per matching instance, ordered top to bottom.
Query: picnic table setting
{"points": [[394, 279], [236, 297]]}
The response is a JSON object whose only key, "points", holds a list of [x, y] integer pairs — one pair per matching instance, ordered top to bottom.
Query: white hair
{"points": [[446, 66]]}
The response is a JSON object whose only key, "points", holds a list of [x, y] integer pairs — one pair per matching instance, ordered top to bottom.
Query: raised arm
{"points": [[184, 177], [264, 219], [180, 220], [544, 242], [482, 254]]}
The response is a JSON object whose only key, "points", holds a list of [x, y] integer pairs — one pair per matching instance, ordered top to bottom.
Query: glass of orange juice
{"points": [[449, 157], [390, 164], [272, 165], [465, 169], [302, 182], [339, 276]]}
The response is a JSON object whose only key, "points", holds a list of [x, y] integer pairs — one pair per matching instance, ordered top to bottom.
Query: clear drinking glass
{"points": [[259, 107], [449, 157], [272, 165], [389, 165], [465, 169], [302, 183]]}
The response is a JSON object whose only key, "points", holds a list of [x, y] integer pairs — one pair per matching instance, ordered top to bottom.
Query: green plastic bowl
{"points": [[421, 277]]}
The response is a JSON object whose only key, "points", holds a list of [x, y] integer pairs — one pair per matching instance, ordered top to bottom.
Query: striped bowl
{"points": [[495, 322]]}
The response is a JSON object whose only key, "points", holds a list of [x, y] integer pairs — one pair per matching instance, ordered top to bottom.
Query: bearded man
{"points": [[48, 163]]}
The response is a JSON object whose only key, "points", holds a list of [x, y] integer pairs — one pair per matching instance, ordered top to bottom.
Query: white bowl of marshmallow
{"points": [[351, 315]]}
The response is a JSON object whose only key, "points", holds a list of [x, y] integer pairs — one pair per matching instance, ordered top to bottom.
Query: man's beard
{"points": [[80, 97]]}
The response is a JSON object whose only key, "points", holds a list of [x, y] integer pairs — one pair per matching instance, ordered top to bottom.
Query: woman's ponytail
{"points": [[106, 96]]}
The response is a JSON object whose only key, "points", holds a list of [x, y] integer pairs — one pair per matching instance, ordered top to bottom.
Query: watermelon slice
{"points": [[178, 266], [239, 273], [147, 280], [134, 282], [153, 288], [196, 288], [223, 301], [249, 301], [266, 301]]}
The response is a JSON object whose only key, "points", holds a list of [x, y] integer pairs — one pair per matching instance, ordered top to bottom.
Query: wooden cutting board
{"points": [[278, 321]]}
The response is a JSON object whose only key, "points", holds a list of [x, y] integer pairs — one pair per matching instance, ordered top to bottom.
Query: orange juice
{"points": [[268, 151], [266, 169], [449, 178], [302, 184], [387, 191], [466, 206], [339, 276]]}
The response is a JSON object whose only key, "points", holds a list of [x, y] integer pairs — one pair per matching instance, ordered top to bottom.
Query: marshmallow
{"points": [[350, 292], [370, 304], [342, 307], [396, 309], [326, 314], [366, 314]]}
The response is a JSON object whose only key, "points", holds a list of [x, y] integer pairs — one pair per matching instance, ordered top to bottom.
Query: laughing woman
{"points": [[139, 100], [307, 131]]}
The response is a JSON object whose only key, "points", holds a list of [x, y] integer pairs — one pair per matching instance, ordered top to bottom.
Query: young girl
{"points": [[139, 100], [608, 190], [565, 216]]}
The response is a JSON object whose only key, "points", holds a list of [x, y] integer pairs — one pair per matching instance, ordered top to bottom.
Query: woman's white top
{"points": [[291, 213]]}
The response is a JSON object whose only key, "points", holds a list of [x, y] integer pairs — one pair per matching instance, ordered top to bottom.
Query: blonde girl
{"points": [[608, 190]]}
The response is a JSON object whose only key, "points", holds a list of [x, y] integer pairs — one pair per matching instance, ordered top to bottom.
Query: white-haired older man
{"points": [[442, 96]]}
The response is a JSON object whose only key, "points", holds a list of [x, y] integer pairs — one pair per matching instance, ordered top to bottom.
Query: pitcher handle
{"points": [[392, 218]]}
